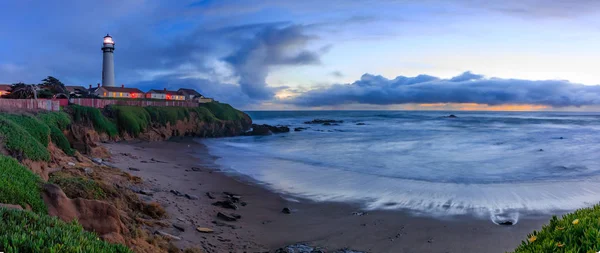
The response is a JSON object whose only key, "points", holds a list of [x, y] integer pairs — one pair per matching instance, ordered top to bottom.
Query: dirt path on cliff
{"points": [[172, 168]]}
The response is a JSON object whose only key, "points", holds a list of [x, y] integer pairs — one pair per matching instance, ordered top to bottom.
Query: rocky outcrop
{"points": [[327, 122], [196, 128], [267, 129], [84, 138], [93, 215]]}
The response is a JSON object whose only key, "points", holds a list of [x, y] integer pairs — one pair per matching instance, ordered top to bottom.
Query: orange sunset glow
{"points": [[479, 107]]}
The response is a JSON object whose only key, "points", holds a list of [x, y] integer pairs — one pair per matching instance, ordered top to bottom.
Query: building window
{"points": [[105, 94], [120, 94]]}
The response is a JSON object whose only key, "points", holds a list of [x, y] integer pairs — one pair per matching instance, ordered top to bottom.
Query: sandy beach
{"points": [[185, 166]]}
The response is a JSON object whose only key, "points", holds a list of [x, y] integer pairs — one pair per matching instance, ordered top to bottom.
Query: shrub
{"points": [[223, 111], [204, 114], [93, 115], [164, 115], [131, 119], [135, 119], [58, 121], [36, 128], [19, 142], [19, 186], [78, 187], [154, 210], [24, 231], [574, 232]]}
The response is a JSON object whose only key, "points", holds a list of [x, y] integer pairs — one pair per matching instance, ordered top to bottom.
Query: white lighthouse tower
{"points": [[108, 65]]}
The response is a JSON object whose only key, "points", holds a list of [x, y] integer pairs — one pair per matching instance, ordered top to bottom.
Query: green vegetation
{"points": [[223, 111], [93, 115], [164, 115], [131, 119], [135, 119], [58, 121], [32, 125], [27, 136], [19, 142], [19, 186], [78, 187], [24, 231], [574, 232]]}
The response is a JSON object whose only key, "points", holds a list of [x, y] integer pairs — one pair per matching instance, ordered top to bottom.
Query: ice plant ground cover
{"points": [[574, 232]]}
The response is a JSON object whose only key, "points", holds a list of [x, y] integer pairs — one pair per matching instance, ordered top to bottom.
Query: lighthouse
{"points": [[108, 65]]}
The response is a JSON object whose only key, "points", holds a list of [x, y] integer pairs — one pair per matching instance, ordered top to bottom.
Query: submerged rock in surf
{"points": [[326, 122], [267, 129], [505, 218]]}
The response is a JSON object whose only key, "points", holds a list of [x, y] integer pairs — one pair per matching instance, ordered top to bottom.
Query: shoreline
{"points": [[263, 227]]}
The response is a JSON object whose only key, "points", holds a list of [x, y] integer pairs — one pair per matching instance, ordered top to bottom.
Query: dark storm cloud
{"points": [[157, 43], [272, 46], [465, 88]]}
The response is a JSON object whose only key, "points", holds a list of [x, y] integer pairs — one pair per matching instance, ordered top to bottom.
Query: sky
{"points": [[313, 54]]}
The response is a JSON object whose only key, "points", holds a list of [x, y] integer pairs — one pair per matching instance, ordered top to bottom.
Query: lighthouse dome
{"points": [[108, 40]]}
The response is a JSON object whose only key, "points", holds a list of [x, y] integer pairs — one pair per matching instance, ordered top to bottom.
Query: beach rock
{"points": [[451, 116], [323, 121], [360, 124], [267, 129], [278, 129], [259, 130], [540, 150], [97, 160], [157, 161], [71, 163], [109, 164], [134, 169], [196, 169], [88, 171], [146, 192], [177, 193], [210, 196], [192, 197], [234, 198], [243, 203], [226, 204], [286, 210], [359, 213], [226, 217], [505, 218], [223, 224], [180, 227], [204, 230], [167, 235], [299, 248], [347, 251]]}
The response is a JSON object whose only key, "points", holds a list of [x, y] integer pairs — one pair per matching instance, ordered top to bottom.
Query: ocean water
{"points": [[485, 163]]}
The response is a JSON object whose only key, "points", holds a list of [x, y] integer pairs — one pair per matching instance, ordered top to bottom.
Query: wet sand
{"points": [[263, 227]]}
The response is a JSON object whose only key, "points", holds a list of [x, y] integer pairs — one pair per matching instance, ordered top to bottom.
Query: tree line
{"points": [[50, 87]]}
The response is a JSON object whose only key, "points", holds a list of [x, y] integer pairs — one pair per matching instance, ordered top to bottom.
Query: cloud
{"points": [[539, 8], [272, 46], [337, 73], [466, 76], [465, 88]]}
